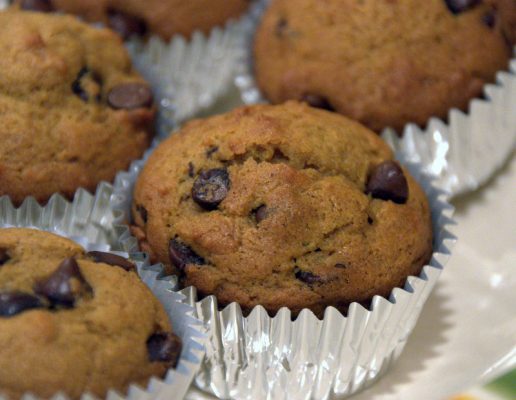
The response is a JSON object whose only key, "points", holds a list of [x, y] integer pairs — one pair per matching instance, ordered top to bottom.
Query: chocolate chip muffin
{"points": [[161, 17], [384, 63], [73, 111], [282, 206], [73, 322]]}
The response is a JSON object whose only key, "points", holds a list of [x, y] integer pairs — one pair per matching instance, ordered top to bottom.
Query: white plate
{"points": [[467, 332]]}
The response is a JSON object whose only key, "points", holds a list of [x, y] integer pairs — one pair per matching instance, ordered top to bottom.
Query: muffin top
{"points": [[161, 17], [383, 62], [72, 109], [282, 205], [75, 322]]}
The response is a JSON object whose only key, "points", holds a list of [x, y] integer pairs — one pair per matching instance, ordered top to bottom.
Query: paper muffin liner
{"points": [[189, 75], [462, 153], [87, 221], [258, 356]]}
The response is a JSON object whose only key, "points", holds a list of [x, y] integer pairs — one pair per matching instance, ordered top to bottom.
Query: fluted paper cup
{"points": [[462, 153], [87, 221], [259, 357]]}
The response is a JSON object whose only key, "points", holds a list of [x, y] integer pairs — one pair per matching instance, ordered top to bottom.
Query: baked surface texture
{"points": [[162, 17], [384, 63], [73, 111], [281, 206], [84, 331]]}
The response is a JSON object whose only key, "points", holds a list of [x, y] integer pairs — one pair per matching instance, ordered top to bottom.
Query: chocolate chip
{"points": [[37, 5], [458, 6], [489, 19], [126, 25], [281, 27], [77, 84], [129, 96], [317, 102], [211, 151], [191, 170], [387, 182], [210, 188], [143, 212], [260, 213], [181, 254], [4, 256], [112, 259], [340, 265], [306, 276], [64, 285], [12, 303], [164, 347]]}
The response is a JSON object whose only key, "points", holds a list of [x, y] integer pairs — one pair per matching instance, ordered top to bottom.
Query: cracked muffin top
{"points": [[161, 17], [383, 62], [73, 111], [282, 206], [73, 322]]}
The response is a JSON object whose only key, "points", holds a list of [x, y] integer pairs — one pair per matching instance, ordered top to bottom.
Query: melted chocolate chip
{"points": [[37, 5], [458, 6], [489, 19], [126, 25], [281, 27], [77, 84], [129, 96], [317, 102], [211, 151], [191, 170], [387, 182], [211, 188], [143, 213], [260, 213], [181, 254], [4, 257], [112, 259], [306, 276], [64, 286], [12, 303], [164, 347]]}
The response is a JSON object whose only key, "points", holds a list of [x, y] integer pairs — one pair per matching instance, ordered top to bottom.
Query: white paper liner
{"points": [[189, 75], [462, 154], [87, 221], [259, 357]]}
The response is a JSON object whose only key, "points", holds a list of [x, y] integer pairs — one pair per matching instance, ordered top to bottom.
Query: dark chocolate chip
{"points": [[37, 5], [458, 6], [489, 19], [126, 25], [281, 27], [76, 85], [129, 96], [317, 102], [211, 151], [191, 170], [387, 182], [211, 188], [143, 212], [260, 213], [370, 220], [181, 254], [4, 256], [112, 259], [340, 265], [306, 276], [64, 285], [12, 303], [164, 347]]}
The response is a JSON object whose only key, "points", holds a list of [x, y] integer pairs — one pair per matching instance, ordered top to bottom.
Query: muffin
{"points": [[161, 17], [384, 63], [73, 111], [282, 206], [73, 322]]}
